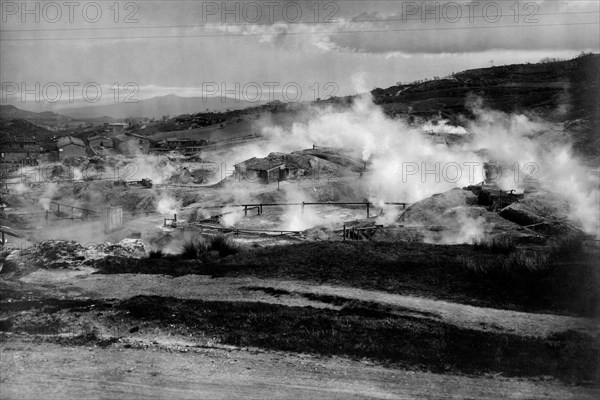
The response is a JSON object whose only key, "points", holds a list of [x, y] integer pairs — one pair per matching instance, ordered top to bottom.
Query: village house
{"points": [[115, 128], [100, 142], [130, 144], [69, 146], [24, 150], [264, 170]]}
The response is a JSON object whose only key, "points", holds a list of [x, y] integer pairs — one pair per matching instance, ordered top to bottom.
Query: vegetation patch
{"points": [[557, 279], [377, 335]]}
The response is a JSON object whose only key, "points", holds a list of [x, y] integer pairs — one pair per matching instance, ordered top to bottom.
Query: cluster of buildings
{"points": [[114, 140], [22, 150]]}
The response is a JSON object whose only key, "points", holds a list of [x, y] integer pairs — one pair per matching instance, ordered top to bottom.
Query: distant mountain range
{"points": [[157, 107], [48, 119]]}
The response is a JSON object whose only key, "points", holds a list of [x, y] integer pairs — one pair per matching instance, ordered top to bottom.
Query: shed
{"points": [[263, 170]]}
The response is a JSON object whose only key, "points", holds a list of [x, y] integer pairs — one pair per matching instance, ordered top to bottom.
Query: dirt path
{"points": [[82, 283], [483, 318], [49, 371]]}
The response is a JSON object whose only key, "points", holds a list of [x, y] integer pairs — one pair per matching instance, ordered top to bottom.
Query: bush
{"points": [[224, 245], [499, 245], [569, 247], [194, 248], [158, 253], [519, 260]]}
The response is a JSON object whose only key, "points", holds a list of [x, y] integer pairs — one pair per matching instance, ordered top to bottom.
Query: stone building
{"points": [[130, 144], [69, 146], [24, 150]]}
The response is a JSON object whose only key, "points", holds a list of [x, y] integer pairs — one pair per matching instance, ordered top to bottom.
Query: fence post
{"points": [[367, 210], [344, 234]]}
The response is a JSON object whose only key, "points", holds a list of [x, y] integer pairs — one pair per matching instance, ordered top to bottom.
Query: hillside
{"points": [[562, 91], [157, 107], [48, 119], [22, 128]]}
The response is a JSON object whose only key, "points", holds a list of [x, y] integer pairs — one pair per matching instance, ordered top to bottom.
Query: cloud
{"points": [[441, 27]]}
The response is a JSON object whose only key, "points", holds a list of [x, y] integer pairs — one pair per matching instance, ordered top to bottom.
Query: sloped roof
{"points": [[97, 137], [123, 137], [20, 139], [67, 140], [261, 164]]}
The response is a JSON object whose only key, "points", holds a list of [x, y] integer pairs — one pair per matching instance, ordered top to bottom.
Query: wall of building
{"points": [[101, 142], [132, 146], [21, 147], [71, 150], [18, 156], [271, 176]]}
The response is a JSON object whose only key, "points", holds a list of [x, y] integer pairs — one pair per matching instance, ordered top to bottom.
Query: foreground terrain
{"points": [[262, 324], [51, 371]]}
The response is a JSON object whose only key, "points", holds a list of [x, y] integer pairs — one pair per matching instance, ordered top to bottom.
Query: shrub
{"points": [[224, 245], [499, 245], [569, 247], [194, 248], [157, 253], [523, 260], [517, 261]]}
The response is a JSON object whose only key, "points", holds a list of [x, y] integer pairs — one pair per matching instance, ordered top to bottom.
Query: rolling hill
{"points": [[157, 107]]}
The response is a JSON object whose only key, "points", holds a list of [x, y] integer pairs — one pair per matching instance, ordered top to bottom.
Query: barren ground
{"points": [[36, 370]]}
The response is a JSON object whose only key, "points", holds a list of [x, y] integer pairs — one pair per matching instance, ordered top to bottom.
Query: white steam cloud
{"points": [[406, 165]]}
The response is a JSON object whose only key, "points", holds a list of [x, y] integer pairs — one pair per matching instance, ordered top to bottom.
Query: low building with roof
{"points": [[115, 128], [99, 142], [131, 144], [69, 146], [25, 150], [264, 170]]}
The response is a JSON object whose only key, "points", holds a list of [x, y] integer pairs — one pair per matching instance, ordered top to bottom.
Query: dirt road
{"points": [[50, 371]]}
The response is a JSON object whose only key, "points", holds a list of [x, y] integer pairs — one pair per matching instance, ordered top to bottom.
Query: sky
{"points": [[294, 50]]}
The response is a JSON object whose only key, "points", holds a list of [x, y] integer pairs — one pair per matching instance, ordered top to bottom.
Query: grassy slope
{"points": [[566, 285], [358, 330]]}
